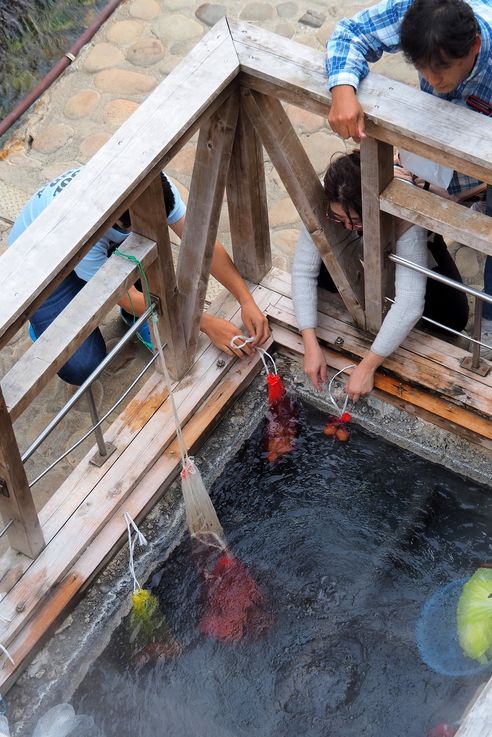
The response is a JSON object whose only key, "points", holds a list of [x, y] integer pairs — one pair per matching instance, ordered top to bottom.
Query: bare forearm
{"points": [[225, 272]]}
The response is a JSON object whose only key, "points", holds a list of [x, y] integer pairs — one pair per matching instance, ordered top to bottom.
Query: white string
{"points": [[262, 352], [331, 398], [179, 432], [141, 539], [6, 653]]}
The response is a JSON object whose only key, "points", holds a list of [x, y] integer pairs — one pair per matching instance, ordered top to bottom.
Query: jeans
{"points": [[92, 351]]}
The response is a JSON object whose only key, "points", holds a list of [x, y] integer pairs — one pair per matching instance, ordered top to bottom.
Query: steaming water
{"points": [[34, 34], [347, 542]]}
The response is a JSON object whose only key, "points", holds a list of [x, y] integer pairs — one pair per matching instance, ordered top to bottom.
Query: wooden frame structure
{"points": [[230, 87]]}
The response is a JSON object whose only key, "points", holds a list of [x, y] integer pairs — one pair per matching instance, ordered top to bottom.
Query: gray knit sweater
{"points": [[409, 288]]}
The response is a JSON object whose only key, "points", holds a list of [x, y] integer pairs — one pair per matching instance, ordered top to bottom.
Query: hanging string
{"points": [[141, 271], [261, 351], [331, 398], [185, 458], [132, 540], [7, 654]]}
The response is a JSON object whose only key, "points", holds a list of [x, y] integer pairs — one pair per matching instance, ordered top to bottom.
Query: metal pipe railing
{"points": [[439, 277], [480, 297], [87, 383]]}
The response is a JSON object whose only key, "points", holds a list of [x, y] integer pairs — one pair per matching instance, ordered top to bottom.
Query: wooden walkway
{"points": [[85, 516]]}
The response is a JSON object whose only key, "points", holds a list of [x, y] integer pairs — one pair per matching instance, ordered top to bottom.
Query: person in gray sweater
{"points": [[414, 294]]}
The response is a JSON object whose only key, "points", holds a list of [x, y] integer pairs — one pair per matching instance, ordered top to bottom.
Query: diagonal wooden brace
{"points": [[301, 182]]}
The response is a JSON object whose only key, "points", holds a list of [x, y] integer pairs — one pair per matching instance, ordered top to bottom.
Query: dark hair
{"points": [[434, 31], [342, 183], [169, 201]]}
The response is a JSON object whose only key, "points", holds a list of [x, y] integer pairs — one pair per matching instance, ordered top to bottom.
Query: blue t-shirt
{"points": [[100, 251]]}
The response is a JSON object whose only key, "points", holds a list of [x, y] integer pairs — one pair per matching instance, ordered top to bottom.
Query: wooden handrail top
{"points": [[122, 168], [113, 178], [48, 354]]}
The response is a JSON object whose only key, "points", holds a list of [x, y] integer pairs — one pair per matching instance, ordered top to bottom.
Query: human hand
{"points": [[346, 116], [255, 322], [221, 332], [315, 364], [360, 383]]}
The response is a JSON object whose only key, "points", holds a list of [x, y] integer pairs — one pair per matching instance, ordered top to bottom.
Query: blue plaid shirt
{"points": [[365, 37]]}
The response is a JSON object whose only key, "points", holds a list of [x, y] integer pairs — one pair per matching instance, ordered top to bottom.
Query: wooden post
{"points": [[377, 173], [301, 182], [247, 203], [149, 219], [202, 219], [16, 502]]}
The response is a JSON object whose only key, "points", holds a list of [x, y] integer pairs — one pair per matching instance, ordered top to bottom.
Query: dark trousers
{"points": [[443, 304]]}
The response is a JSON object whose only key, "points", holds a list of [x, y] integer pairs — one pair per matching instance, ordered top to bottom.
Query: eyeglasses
{"points": [[356, 224]]}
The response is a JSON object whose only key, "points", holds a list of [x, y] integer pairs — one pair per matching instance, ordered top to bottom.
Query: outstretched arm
{"points": [[305, 270], [405, 312], [221, 331]]}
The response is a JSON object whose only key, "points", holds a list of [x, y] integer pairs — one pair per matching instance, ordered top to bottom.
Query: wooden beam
{"points": [[395, 113], [376, 161], [301, 182], [247, 203], [82, 212], [149, 219], [202, 219], [450, 219], [48, 354], [437, 372], [402, 394], [17, 508], [113, 535]]}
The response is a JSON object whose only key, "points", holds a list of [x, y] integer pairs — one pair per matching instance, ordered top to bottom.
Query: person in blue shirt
{"points": [[449, 42], [81, 364]]}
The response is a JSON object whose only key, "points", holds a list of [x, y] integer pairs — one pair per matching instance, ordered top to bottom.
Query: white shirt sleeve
{"points": [[305, 270], [410, 289]]}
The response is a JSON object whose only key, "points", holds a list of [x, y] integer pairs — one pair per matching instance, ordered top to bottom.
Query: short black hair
{"points": [[435, 31], [169, 201]]}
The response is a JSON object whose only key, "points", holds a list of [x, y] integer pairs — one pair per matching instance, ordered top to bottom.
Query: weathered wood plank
{"points": [[395, 113], [377, 171], [111, 179], [301, 182], [247, 204], [435, 213], [149, 219], [200, 231], [418, 344], [43, 359], [453, 385], [403, 395], [77, 487], [16, 502], [84, 524], [113, 534], [477, 721]]}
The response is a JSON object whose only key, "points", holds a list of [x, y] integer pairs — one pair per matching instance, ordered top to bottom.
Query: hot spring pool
{"points": [[347, 541]]}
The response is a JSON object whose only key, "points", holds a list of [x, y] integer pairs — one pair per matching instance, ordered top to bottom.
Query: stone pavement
{"points": [[136, 48]]}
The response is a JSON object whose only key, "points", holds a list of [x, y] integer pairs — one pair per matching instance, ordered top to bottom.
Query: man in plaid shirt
{"points": [[450, 44]]}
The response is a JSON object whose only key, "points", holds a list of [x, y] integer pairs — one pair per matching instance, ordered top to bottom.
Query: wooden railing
{"points": [[230, 87]]}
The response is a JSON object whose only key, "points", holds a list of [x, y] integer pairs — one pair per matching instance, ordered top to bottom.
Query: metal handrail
{"points": [[439, 277], [480, 297], [87, 383], [99, 422]]}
